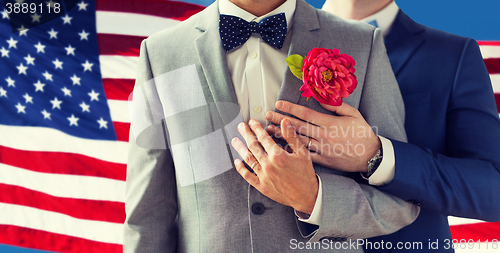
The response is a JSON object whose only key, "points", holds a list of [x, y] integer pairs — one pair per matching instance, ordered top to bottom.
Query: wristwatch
{"points": [[373, 164]]}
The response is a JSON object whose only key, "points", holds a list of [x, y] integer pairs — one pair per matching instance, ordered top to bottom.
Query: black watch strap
{"points": [[373, 164]]}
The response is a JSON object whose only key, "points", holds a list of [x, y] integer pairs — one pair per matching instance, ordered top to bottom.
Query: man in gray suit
{"points": [[193, 90]]}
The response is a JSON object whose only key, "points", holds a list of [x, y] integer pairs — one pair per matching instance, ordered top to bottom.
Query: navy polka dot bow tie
{"points": [[235, 31]]}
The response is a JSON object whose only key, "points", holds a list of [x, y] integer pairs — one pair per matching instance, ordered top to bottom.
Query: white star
{"points": [[51, 4], [82, 6], [5, 14], [36, 18], [67, 19], [22, 31], [53, 34], [84, 35], [12, 42], [40, 48], [70, 50], [5, 52], [30, 60], [58, 64], [87, 66], [22, 69], [47, 75], [75, 79], [10, 82], [39, 86], [66, 91], [3, 93], [93, 96], [29, 99], [56, 103], [85, 107], [20, 108], [46, 115], [73, 120], [102, 123]]}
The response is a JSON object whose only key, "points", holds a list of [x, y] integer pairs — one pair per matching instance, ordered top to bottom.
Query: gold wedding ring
{"points": [[309, 144], [253, 164]]}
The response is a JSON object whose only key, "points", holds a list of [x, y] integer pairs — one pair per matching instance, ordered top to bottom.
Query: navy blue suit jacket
{"points": [[451, 163]]}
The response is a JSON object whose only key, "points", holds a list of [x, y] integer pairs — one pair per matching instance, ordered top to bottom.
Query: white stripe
{"points": [[131, 23], [490, 51], [115, 66], [495, 81], [119, 110], [48, 139], [65, 186], [462, 221], [53, 222], [477, 247]]}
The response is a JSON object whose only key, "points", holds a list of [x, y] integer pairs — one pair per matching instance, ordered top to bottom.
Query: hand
{"points": [[345, 142], [287, 178]]}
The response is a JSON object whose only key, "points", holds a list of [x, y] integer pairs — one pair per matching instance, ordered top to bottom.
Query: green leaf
{"points": [[294, 62]]}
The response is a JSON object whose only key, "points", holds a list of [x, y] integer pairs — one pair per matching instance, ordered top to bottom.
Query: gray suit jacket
{"points": [[183, 193]]}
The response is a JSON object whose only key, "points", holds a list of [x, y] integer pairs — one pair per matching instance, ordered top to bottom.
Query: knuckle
{"points": [[248, 157]]}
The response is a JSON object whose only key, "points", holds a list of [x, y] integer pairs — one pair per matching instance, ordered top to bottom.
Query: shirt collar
{"points": [[288, 7], [384, 17]]}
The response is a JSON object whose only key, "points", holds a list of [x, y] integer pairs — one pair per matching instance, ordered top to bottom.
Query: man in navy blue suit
{"points": [[451, 163]]}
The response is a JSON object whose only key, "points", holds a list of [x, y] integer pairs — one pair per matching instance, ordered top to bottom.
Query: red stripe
{"points": [[162, 8], [489, 43], [112, 44], [493, 65], [118, 89], [497, 98], [122, 130], [62, 163], [79, 208], [479, 231], [42, 240]]}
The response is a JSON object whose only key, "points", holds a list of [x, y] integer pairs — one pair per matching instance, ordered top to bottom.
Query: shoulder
{"points": [[331, 21], [185, 30], [436, 38]]}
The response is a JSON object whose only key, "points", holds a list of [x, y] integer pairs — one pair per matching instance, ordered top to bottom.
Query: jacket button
{"points": [[415, 202], [258, 208]]}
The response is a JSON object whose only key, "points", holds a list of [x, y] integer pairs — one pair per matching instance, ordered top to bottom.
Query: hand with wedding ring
{"points": [[345, 142], [287, 178]]}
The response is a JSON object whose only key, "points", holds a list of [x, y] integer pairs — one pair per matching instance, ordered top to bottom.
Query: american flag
{"points": [[64, 121], [64, 124]]}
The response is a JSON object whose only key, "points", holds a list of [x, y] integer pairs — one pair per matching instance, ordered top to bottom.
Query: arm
{"points": [[464, 179], [151, 193], [349, 210], [376, 213]]}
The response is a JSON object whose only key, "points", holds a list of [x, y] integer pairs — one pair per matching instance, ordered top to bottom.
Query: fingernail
{"points": [[279, 105], [269, 116], [287, 123], [241, 126], [234, 140], [237, 162]]}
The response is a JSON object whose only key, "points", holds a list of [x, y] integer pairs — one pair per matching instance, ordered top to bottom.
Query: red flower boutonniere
{"points": [[328, 76]]}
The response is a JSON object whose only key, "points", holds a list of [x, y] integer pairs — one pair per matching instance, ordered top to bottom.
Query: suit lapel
{"points": [[303, 40], [403, 40], [214, 64]]}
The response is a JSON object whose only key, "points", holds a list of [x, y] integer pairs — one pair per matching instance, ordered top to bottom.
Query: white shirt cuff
{"points": [[386, 170], [315, 217]]}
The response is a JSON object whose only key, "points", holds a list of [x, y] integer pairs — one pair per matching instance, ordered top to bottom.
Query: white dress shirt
{"points": [[256, 68], [257, 71]]}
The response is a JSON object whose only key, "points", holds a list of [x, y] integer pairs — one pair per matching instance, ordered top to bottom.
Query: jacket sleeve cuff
{"points": [[315, 217]]}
